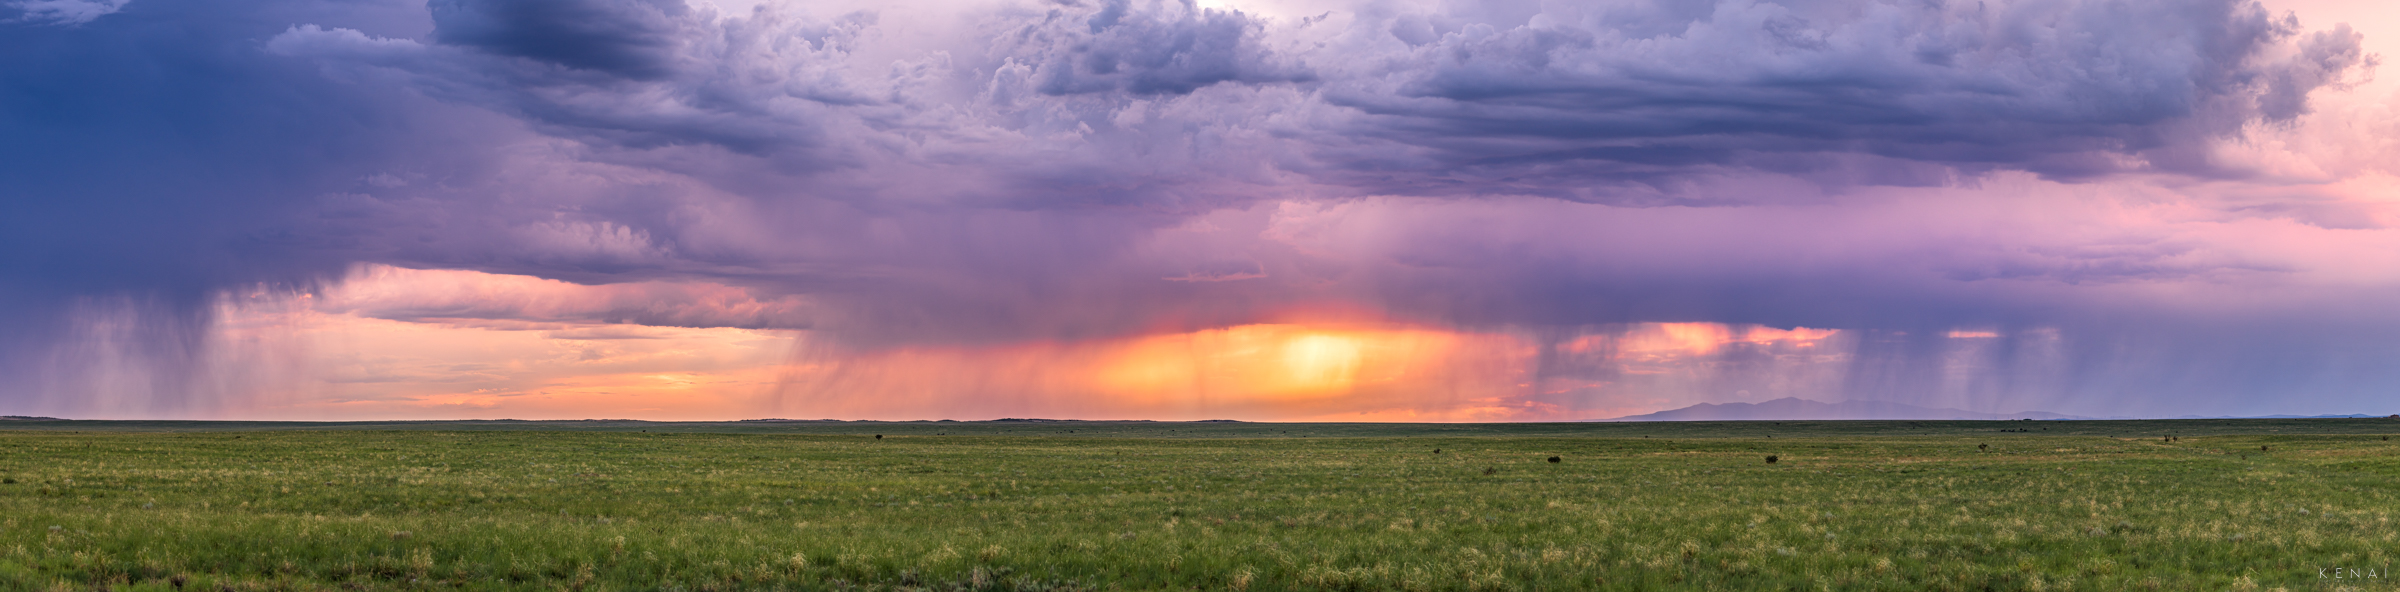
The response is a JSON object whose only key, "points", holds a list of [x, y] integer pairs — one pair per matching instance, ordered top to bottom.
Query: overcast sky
{"points": [[1318, 209]]}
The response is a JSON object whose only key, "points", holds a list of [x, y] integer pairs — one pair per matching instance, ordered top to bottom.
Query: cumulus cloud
{"points": [[1154, 47]]}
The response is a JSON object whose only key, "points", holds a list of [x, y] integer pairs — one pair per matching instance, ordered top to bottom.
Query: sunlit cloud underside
{"points": [[338, 354]]}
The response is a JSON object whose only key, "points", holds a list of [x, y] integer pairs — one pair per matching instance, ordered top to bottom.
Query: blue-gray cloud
{"points": [[630, 38], [1150, 48], [1635, 92]]}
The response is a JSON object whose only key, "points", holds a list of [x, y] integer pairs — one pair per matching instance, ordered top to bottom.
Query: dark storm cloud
{"points": [[630, 38], [1150, 48], [1630, 91], [1606, 102], [150, 159], [1036, 171]]}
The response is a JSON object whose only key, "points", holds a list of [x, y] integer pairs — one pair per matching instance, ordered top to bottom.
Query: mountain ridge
{"points": [[1795, 408]]}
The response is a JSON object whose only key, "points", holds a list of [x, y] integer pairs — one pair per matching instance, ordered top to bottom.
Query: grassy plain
{"points": [[1210, 506]]}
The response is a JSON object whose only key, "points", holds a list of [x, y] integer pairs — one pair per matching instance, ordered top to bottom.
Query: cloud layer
{"points": [[2119, 180]]}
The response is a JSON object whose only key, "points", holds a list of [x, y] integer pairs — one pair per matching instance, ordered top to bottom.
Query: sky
{"points": [[1304, 210]]}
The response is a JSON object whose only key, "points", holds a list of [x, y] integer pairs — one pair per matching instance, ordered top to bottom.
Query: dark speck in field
{"points": [[879, 436], [2262, 449], [1439, 451], [1770, 459], [1553, 460], [1489, 470], [177, 581]]}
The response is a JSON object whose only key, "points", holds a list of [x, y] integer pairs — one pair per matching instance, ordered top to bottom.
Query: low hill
{"points": [[1789, 408]]}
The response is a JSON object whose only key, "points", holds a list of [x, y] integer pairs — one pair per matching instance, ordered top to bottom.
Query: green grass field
{"points": [[1206, 506]]}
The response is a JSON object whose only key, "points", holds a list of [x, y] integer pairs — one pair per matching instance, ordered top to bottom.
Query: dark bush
{"points": [[1771, 459]]}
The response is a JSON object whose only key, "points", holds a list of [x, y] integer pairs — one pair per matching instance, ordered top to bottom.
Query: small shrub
{"points": [[1983, 447], [1771, 459], [1554, 460], [1490, 470]]}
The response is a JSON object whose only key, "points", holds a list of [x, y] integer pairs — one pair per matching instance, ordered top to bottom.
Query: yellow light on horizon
{"points": [[1321, 362]]}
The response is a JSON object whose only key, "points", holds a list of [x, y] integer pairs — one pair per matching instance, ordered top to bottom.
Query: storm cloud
{"points": [[980, 174]]}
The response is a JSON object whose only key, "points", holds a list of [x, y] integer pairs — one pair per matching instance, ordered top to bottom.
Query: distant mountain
{"points": [[1789, 408], [2347, 416]]}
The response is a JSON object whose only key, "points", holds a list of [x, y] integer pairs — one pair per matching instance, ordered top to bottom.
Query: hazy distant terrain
{"points": [[1789, 408]]}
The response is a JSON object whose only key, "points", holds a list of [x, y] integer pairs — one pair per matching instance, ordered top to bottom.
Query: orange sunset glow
{"points": [[391, 342], [1249, 371]]}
